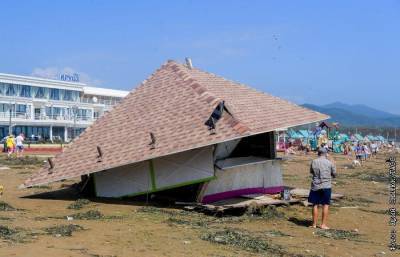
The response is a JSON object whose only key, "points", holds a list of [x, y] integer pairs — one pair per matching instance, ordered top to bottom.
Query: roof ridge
{"points": [[254, 89], [208, 97]]}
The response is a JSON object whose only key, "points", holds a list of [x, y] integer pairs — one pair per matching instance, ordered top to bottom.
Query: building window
{"points": [[2, 87], [11, 90], [25, 91], [40, 92], [54, 94], [67, 95], [4, 107], [21, 108], [84, 114]]}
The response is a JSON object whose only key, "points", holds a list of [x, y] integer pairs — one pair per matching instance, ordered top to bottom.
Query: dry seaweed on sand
{"points": [[23, 161], [353, 201], [78, 204], [6, 207], [155, 210], [265, 212], [385, 212], [89, 215], [6, 218], [193, 223], [63, 230], [6, 232], [275, 233], [338, 234], [15, 235], [241, 240]]}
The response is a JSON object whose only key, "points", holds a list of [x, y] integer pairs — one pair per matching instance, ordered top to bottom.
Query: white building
{"points": [[51, 109]]}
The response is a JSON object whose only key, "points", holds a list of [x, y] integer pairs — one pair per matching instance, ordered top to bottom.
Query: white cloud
{"points": [[55, 73]]}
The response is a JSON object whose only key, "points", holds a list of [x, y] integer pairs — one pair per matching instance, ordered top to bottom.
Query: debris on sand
{"points": [[26, 160], [370, 175], [42, 187], [354, 201], [78, 204], [6, 207], [155, 210], [265, 212], [385, 212], [89, 215], [6, 218], [195, 224], [63, 230], [6, 232], [275, 233], [14, 234], [338, 234], [241, 240]]}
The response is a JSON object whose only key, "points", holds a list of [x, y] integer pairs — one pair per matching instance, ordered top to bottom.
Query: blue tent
{"points": [[304, 133], [293, 134], [344, 137], [358, 137], [381, 138]]}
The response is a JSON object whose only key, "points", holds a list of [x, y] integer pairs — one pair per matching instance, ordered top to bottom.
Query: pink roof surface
{"points": [[173, 104]]}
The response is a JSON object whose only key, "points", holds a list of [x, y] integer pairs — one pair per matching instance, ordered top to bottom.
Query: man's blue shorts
{"points": [[321, 196]]}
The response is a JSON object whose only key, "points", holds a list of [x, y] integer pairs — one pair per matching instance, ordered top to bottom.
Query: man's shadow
{"points": [[300, 222]]}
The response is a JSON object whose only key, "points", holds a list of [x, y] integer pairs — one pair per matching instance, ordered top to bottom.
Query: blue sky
{"points": [[305, 51]]}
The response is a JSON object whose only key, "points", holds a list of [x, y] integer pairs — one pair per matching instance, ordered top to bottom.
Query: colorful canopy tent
{"points": [[182, 126], [331, 128], [305, 133], [294, 135], [344, 137], [358, 137], [381, 139], [337, 146]]}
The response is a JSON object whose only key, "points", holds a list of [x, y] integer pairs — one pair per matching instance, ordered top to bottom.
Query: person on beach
{"points": [[10, 142], [20, 144], [322, 171]]}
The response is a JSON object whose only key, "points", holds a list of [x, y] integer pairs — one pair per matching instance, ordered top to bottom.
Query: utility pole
{"points": [[75, 110], [9, 125]]}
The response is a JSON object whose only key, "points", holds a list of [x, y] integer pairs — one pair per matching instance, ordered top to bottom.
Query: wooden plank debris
{"points": [[298, 196]]}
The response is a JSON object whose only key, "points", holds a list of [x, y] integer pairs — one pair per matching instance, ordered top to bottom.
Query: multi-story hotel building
{"points": [[50, 109]]}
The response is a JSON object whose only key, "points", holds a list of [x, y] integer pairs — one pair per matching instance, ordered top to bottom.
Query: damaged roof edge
{"points": [[179, 151]]}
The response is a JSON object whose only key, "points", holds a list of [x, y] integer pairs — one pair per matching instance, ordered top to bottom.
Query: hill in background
{"points": [[357, 115]]}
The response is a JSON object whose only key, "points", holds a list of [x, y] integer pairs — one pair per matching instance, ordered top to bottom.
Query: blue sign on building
{"points": [[71, 78]]}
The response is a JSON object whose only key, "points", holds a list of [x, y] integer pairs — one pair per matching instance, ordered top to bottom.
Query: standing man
{"points": [[20, 144], [322, 171]]}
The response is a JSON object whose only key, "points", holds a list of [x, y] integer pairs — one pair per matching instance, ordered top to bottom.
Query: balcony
{"points": [[15, 115], [41, 118]]}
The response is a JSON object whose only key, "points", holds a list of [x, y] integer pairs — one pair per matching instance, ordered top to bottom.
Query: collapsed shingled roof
{"points": [[172, 104]]}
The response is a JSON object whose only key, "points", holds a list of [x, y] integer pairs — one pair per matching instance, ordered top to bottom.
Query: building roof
{"points": [[40, 82], [53, 83], [104, 91], [172, 104]]}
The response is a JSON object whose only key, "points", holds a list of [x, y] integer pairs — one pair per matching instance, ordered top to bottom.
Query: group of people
{"points": [[14, 145], [361, 151]]}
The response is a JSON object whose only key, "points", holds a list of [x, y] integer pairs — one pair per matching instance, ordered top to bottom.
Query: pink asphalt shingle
{"points": [[173, 104]]}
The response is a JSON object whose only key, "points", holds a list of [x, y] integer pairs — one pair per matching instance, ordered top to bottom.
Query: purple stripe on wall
{"points": [[239, 192]]}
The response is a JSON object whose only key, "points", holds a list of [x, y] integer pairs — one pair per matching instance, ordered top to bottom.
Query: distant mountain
{"points": [[362, 110], [357, 115]]}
